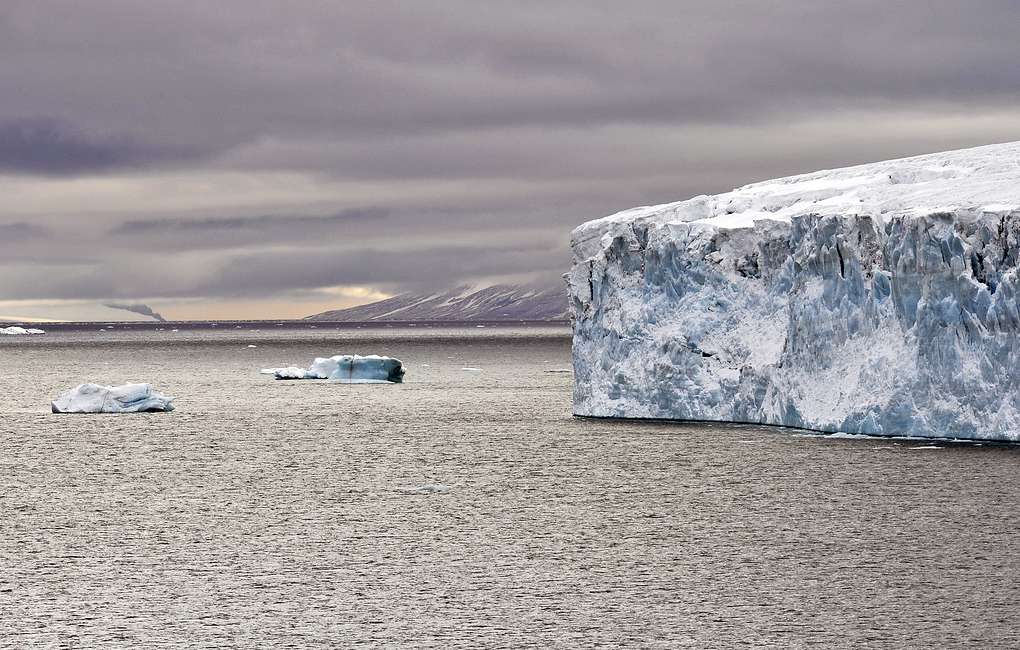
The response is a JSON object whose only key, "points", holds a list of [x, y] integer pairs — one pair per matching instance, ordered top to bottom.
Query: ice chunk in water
{"points": [[19, 331], [347, 369], [129, 398]]}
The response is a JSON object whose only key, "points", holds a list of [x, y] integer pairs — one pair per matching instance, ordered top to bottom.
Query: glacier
{"points": [[878, 299], [347, 369], [129, 398]]}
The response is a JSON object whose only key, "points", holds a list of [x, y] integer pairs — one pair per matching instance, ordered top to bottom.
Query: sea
{"points": [[465, 507]]}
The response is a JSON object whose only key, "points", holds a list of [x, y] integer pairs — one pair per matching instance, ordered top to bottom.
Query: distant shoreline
{"points": [[283, 324]]}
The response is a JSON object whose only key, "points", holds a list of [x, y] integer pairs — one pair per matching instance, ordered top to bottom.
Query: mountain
{"points": [[499, 302]]}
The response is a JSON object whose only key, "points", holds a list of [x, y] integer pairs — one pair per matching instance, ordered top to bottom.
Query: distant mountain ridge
{"points": [[495, 303]]}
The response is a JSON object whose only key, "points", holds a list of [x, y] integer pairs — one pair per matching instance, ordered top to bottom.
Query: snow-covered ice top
{"points": [[983, 178], [19, 331], [346, 368], [129, 398]]}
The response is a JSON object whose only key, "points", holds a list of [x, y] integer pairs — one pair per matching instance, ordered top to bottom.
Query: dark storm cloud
{"points": [[219, 75], [455, 121], [48, 146], [253, 223], [19, 232]]}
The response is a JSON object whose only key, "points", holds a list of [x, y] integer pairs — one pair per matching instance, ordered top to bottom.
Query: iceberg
{"points": [[879, 299], [19, 331], [346, 369], [129, 398]]}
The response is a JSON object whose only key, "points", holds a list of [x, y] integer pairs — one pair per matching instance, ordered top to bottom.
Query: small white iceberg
{"points": [[19, 331], [347, 369], [129, 398], [428, 488]]}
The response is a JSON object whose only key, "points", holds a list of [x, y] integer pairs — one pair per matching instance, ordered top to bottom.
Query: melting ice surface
{"points": [[878, 299], [346, 368], [129, 398]]}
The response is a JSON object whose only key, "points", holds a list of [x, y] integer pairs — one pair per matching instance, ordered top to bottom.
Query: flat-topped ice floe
{"points": [[878, 299], [20, 331], [347, 369], [129, 398]]}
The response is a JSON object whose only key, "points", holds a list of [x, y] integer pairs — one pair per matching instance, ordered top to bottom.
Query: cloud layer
{"points": [[196, 151]]}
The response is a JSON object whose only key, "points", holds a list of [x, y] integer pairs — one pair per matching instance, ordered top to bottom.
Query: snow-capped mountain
{"points": [[495, 303]]}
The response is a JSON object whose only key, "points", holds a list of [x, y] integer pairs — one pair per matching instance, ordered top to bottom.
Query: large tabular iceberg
{"points": [[878, 299], [347, 369], [129, 398]]}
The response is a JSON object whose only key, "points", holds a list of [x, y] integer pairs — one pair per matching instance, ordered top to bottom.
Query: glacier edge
{"points": [[891, 311]]}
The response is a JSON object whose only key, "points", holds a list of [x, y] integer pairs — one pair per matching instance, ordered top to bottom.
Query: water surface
{"points": [[286, 513]]}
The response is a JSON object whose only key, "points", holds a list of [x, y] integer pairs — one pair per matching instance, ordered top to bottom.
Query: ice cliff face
{"points": [[880, 299]]}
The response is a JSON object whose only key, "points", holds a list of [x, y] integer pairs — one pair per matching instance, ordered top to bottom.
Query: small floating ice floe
{"points": [[20, 331], [252, 346], [347, 369], [471, 369], [129, 398], [428, 488]]}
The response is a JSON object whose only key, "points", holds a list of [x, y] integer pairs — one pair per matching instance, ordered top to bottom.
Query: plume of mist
{"points": [[137, 308]]}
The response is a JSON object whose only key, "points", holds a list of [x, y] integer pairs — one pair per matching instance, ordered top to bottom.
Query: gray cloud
{"points": [[217, 78], [441, 128], [41, 145], [20, 232], [255, 274]]}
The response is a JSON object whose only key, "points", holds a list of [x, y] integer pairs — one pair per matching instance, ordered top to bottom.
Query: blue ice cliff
{"points": [[878, 299]]}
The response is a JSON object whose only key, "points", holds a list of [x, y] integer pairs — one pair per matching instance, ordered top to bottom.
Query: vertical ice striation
{"points": [[878, 299]]}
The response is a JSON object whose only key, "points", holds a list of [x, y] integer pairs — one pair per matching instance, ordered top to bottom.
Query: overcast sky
{"points": [[247, 158]]}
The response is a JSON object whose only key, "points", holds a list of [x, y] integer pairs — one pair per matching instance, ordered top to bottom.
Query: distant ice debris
{"points": [[19, 331], [347, 369], [471, 369], [564, 371], [129, 398], [427, 488]]}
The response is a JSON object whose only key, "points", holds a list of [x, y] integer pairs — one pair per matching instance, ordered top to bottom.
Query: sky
{"points": [[257, 159]]}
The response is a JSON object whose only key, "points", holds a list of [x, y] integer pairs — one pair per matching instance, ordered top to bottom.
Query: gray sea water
{"points": [[288, 514]]}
